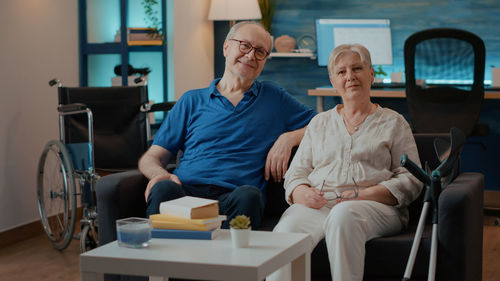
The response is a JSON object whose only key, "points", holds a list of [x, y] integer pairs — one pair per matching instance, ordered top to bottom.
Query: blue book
{"points": [[184, 234]]}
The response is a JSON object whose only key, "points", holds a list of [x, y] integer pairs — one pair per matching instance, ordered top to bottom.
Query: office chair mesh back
{"points": [[444, 80], [120, 136]]}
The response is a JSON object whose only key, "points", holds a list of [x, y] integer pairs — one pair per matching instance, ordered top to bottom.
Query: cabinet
{"points": [[99, 53]]}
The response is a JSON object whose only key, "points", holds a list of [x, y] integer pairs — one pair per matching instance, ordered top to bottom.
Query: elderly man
{"points": [[235, 135]]}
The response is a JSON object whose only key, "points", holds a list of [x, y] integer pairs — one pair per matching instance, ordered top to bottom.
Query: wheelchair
{"points": [[102, 130]]}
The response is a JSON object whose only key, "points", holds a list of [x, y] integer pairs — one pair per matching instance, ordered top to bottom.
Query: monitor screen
{"points": [[375, 35]]}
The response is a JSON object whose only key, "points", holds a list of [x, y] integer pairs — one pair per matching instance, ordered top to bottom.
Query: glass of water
{"points": [[133, 232]]}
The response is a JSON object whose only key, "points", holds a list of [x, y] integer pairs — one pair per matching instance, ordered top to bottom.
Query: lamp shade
{"points": [[234, 10]]}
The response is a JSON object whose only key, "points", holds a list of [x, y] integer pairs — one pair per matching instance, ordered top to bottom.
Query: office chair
{"points": [[438, 55], [445, 81]]}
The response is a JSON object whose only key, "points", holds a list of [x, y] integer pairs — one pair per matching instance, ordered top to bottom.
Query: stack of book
{"points": [[141, 36], [187, 218]]}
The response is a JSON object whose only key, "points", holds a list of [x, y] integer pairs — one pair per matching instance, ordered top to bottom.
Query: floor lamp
{"points": [[223, 12]]}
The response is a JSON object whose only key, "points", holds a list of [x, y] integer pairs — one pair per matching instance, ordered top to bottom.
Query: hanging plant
{"points": [[267, 11], [152, 17]]}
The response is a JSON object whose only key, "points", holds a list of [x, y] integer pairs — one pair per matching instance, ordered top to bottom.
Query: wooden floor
{"points": [[35, 259]]}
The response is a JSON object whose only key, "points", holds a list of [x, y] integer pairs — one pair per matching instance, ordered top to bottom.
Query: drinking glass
{"points": [[133, 232]]}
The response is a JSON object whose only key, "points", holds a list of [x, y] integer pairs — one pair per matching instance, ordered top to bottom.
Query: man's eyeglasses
{"points": [[246, 47], [352, 195]]}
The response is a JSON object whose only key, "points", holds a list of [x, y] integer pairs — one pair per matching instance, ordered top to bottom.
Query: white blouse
{"points": [[370, 156]]}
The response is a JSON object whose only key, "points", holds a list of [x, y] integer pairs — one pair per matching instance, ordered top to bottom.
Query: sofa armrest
{"points": [[119, 195], [460, 229]]}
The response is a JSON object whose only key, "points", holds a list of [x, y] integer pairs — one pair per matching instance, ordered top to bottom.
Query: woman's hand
{"points": [[378, 193], [347, 196], [309, 197]]}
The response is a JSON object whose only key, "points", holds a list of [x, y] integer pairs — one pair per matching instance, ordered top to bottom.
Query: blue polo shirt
{"points": [[226, 145]]}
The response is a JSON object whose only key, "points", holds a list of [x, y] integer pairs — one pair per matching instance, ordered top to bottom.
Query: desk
{"points": [[320, 93], [203, 259]]}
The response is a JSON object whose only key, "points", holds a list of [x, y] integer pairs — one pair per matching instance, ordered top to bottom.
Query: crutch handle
{"points": [[414, 169]]}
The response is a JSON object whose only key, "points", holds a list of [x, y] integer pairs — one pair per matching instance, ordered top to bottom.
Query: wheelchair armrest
{"points": [[164, 106], [71, 107], [119, 195], [460, 228]]}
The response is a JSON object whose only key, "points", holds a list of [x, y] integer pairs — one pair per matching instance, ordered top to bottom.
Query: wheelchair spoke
{"points": [[61, 225]]}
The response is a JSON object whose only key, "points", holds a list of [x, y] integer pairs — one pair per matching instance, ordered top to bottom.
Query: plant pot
{"points": [[240, 237]]}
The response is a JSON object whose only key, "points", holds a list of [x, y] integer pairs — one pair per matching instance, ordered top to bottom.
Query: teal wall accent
{"points": [[103, 20], [101, 69]]}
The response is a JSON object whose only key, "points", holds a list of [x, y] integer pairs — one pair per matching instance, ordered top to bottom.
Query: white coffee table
{"points": [[203, 259]]}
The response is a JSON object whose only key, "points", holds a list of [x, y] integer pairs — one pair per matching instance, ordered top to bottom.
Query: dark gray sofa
{"points": [[460, 229]]}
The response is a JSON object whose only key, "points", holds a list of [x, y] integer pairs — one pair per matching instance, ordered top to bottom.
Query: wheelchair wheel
{"points": [[56, 194], [88, 238]]}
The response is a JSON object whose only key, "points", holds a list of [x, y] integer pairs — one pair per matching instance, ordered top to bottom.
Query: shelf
{"points": [[101, 48], [115, 48], [146, 48], [292, 55], [97, 60]]}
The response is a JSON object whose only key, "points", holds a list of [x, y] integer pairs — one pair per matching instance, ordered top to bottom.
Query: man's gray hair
{"points": [[234, 29], [359, 49]]}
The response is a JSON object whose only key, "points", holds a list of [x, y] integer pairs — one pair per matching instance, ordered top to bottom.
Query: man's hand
{"points": [[278, 157], [152, 165], [159, 178], [309, 197]]}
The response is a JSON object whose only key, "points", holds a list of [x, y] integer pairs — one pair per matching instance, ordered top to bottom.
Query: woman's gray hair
{"points": [[234, 29], [359, 49]]}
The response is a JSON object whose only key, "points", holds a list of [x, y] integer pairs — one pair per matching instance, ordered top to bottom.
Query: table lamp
{"points": [[233, 10]]}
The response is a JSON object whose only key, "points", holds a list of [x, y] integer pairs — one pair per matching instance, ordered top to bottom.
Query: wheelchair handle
{"points": [[55, 81], [414, 169]]}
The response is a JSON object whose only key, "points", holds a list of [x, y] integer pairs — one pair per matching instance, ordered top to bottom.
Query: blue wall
{"points": [[297, 18]]}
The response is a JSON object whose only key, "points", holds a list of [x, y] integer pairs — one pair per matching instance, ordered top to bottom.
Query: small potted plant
{"points": [[379, 72], [240, 231]]}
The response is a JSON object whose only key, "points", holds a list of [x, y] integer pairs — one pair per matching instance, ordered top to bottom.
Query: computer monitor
{"points": [[374, 34]]}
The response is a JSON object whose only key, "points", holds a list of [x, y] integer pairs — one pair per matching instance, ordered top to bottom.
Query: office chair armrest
{"points": [[119, 195], [460, 228]]}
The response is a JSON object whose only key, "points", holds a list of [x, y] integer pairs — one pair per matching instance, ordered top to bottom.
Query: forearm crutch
{"points": [[449, 154]]}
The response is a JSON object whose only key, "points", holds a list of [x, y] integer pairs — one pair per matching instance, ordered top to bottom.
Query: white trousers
{"points": [[346, 227]]}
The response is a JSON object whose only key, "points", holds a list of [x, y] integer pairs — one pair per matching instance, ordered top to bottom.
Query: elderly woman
{"points": [[356, 144]]}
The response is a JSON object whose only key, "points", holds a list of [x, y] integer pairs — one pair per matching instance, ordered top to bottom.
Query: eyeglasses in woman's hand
{"points": [[347, 192]]}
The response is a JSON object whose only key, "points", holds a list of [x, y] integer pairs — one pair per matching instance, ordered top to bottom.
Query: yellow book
{"points": [[145, 43], [179, 219], [158, 224]]}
